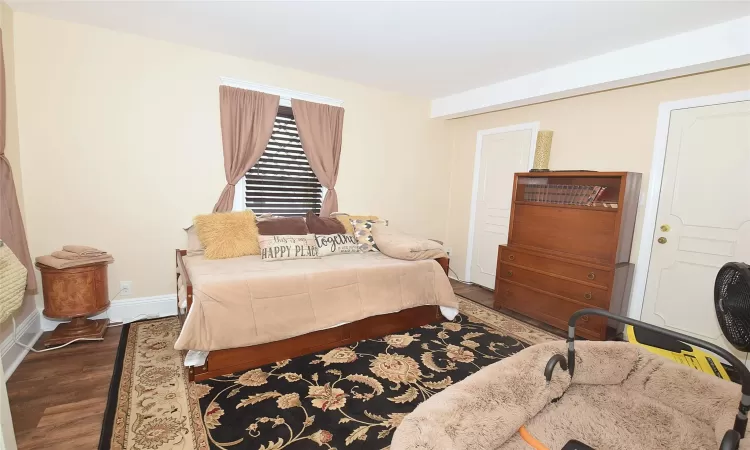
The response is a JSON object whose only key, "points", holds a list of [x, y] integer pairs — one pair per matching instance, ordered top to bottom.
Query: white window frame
{"points": [[286, 96]]}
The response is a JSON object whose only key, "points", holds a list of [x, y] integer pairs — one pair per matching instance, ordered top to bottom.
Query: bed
{"points": [[247, 313]]}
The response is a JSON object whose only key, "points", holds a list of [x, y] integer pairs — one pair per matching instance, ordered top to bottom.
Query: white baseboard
{"points": [[128, 310], [28, 333]]}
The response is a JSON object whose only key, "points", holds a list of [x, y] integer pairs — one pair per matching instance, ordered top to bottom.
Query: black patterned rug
{"points": [[356, 396], [350, 397]]}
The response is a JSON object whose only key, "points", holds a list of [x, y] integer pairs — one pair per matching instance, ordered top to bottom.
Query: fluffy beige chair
{"points": [[621, 397]]}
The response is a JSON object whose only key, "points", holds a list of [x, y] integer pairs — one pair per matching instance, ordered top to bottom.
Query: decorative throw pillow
{"points": [[346, 219], [282, 225], [323, 225], [363, 233], [228, 235], [334, 244], [398, 245], [194, 246], [273, 248]]}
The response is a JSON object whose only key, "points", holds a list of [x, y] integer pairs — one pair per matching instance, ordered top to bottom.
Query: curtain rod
{"points": [[286, 94]]}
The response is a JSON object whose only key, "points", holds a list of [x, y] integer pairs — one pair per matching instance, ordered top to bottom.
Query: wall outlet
{"points": [[448, 250], [126, 288]]}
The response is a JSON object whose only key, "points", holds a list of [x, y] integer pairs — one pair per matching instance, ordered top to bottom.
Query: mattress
{"points": [[244, 301]]}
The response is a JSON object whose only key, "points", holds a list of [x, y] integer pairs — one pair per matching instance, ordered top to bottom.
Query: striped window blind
{"points": [[282, 182]]}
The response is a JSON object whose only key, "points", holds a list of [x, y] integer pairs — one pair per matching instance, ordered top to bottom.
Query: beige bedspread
{"points": [[245, 301]]}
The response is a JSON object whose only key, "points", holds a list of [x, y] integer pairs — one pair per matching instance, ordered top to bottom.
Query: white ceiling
{"points": [[422, 48]]}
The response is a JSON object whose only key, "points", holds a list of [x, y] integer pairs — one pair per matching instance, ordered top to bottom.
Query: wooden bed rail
{"points": [[221, 362]]}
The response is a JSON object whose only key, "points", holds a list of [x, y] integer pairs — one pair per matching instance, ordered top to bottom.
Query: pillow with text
{"points": [[335, 244], [287, 246]]}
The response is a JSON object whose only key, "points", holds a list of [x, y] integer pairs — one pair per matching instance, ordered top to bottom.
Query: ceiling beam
{"points": [[716, 47]]}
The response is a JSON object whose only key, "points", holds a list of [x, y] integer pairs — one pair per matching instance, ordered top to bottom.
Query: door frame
{"points": [[534, 127], [648, 229]]}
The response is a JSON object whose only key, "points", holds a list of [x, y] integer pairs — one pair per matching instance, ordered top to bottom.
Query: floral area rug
{"points": [[349, 397]]}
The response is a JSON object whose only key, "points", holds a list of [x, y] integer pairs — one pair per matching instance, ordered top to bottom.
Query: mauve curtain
{"points": [[246, 125], [320, 127], [12, 232]]}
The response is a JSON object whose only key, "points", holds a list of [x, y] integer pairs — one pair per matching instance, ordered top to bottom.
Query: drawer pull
{"points": [[511, 257], [510, 273], [591, 275], [587, 295], [585, 318]]}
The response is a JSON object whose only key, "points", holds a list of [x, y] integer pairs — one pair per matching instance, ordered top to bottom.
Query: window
{"points": [[282, 182]]}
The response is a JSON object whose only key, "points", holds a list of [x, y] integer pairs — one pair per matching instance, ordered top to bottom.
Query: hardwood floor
{"points": [[474, 292], [486, 297], [57, 398]]}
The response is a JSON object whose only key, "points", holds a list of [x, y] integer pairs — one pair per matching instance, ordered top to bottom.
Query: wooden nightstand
{"points": [[75, 294]]}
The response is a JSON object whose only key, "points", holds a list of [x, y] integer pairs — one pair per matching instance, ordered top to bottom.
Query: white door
{"points": [[500, 153], [703, 218]]}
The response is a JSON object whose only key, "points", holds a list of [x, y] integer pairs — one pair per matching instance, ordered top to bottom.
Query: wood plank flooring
{"points": [[474, 292], [486, 297], [57, 398]]}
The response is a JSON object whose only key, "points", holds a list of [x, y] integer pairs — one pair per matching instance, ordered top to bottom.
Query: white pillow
{"points": [[334, 244], [398, 245], [194, 246], [287, 246]]}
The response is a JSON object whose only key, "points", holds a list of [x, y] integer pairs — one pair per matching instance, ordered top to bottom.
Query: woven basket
{"points": [[12, 282]]}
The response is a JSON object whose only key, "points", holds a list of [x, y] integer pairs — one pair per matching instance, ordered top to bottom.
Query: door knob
{"points": [[665, 228], [662, 240]]}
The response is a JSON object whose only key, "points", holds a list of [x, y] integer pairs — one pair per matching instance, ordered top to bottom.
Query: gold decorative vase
{"points": [[543, 148]]}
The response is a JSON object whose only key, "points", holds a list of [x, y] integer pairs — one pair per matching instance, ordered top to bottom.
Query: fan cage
{"points": [[732, 304]]}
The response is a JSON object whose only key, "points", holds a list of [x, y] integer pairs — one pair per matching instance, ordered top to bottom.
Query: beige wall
{"points": [[611, 130], [121, 145], [12, 148]]}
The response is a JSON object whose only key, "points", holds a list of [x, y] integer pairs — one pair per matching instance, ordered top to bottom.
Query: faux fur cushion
{"points": [[346, 219], [282, 225], [323, 225], [228, 235], [273, 248], [621, 397]]}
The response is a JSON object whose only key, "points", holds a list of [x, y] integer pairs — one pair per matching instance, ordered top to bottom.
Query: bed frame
{"points": [[222, 362]]}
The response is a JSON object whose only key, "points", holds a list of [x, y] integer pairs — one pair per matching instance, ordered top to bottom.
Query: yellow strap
{"points": [[531, 440]]}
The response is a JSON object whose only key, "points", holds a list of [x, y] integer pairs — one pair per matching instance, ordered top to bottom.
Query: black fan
{"points": [[732, 302]]}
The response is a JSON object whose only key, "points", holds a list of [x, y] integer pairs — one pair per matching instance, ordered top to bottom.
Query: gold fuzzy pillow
{"points": [[345, 219], [228, 235]]}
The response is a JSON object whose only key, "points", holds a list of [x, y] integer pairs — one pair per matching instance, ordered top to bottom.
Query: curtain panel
{"points": [[247, 119], [320, 128], [12, 231]]}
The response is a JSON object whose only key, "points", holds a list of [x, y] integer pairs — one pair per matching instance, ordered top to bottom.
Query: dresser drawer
{"points": [[562, 268], [583, 293], [551, 310]]}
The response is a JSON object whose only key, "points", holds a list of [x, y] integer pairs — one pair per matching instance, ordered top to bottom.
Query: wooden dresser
{"points": [[568, 246]]}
